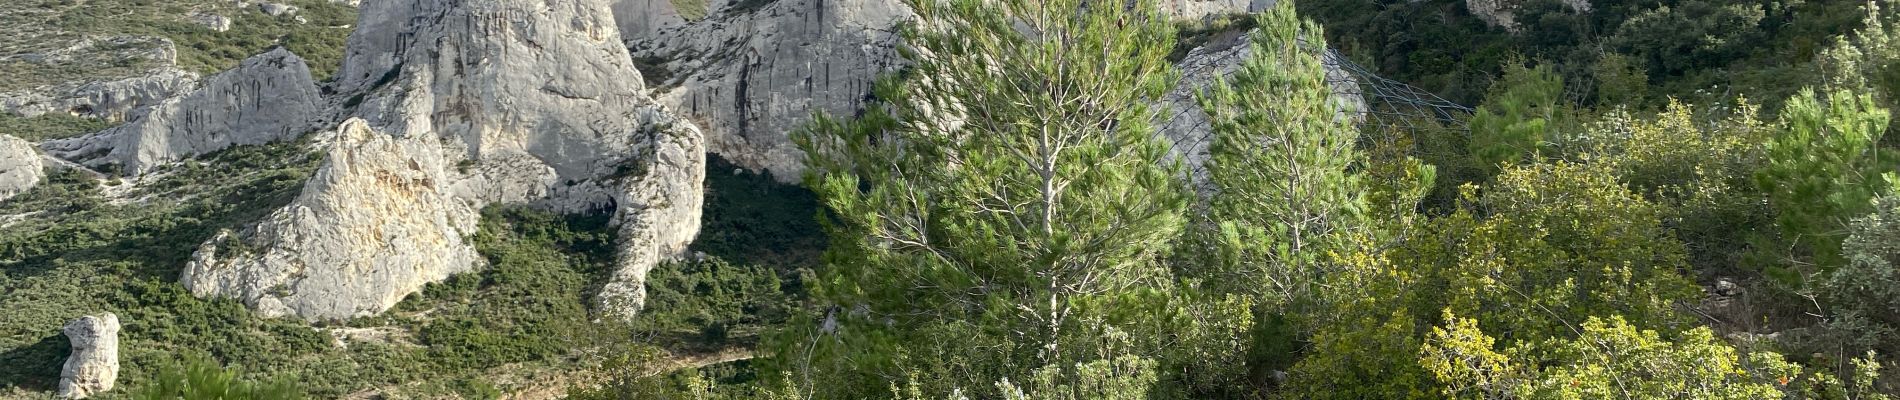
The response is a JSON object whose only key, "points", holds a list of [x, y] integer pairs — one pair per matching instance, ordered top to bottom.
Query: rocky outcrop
{"points": [[1202, 9], [1503, 13], [214, 22], [752, 71], [751, 76], [90, 79], [269, 97], [110, 100], [461, 104], [1188, 127], [20, 167], [375, 223], [94, 363]]}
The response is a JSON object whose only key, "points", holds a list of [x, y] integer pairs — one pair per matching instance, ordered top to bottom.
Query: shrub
{"points": [[199, 378]]}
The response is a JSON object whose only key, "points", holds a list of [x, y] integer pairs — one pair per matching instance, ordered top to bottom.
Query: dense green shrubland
{"points": [[1558, 248]]}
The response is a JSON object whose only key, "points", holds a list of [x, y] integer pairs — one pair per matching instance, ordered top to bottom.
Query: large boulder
{"points": [[752, 71], [269, 97], [460, 104], [20, 167], [375, 223], [94, 363]]}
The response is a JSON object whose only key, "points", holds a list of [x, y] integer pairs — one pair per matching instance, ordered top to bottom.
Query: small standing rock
{"points": [[277, 9], [217, 23], [94, 364]]}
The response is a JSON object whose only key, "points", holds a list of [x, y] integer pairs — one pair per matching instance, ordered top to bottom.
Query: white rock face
{"points": [[1200, 9], [217, 23], [752, 74], [750, 77], [269, 97], [107, 98], [110, 100], [462, 104], [1188, 127], [20, 167], [374, 224], [94, 363]]}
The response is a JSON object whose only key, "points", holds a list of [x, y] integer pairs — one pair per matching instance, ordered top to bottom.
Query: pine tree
{"points": [[1516, 118], [1280, 158], [1823, 169], [1004, 200]]}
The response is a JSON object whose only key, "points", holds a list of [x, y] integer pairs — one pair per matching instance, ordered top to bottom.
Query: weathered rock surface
{"points": [[1200, 9], [215, 22], [751, 73], [750, 77], [87, 94], [268, 97], [111, 100], [461, 104], [1188, 127], [20, 167], [374, 224], [94, 363]]}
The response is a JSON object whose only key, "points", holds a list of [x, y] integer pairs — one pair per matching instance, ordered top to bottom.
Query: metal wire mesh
{"points": [[1391, 104]]}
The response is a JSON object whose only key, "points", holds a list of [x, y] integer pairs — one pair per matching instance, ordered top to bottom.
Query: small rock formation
{"points": [[277, 9], [215, 22], [269, 97], [461, 104], [1187, 126], [20, 167], [94, 363]]}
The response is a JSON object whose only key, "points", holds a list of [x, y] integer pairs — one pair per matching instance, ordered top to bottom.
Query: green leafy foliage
{"points": [[1516, 118], [1823, 168], [1284, 191], [1043, 237], [1609, 359], [199, 378]]}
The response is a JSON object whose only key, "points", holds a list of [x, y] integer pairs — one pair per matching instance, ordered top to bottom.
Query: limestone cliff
{"points": [[751, 76], [268, 97], [460, 104], [20, 167]]}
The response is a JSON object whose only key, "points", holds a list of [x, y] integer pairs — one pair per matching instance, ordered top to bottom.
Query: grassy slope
{"points": [[43, 26], [508, 327]]}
